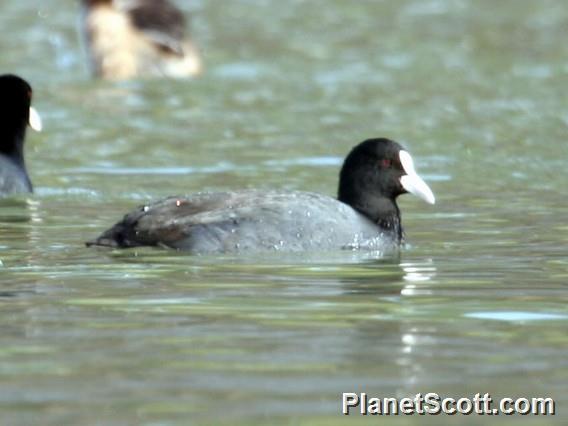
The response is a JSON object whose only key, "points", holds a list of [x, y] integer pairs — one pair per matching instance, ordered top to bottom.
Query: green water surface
{"points": [[476, 91]]}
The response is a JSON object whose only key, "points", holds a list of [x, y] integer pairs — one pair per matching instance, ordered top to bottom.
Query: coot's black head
{"points": [[15, 113], [376, 172]]}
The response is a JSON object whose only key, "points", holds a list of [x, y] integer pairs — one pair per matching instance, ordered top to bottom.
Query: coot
{"points": [[137, 38], [15, 115], [364, 215]]}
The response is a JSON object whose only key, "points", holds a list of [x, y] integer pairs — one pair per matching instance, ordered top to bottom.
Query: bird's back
{"points": [[246, 221]]}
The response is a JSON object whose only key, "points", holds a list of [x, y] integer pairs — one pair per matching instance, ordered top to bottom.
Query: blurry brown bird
{"points": [[137, 38]]}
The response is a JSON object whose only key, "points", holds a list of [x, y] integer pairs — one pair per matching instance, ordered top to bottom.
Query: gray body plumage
{"points": [[13, 177], [248, 220]]}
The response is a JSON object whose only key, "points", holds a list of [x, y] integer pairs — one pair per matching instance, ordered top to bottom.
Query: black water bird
{"points": [[16, 113], [365, 214]]}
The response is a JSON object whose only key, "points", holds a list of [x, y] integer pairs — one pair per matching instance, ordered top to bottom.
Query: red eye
{"points": [[386, 162]]}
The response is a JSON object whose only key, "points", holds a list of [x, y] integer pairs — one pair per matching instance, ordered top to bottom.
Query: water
{"points": [[477, 303]]}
